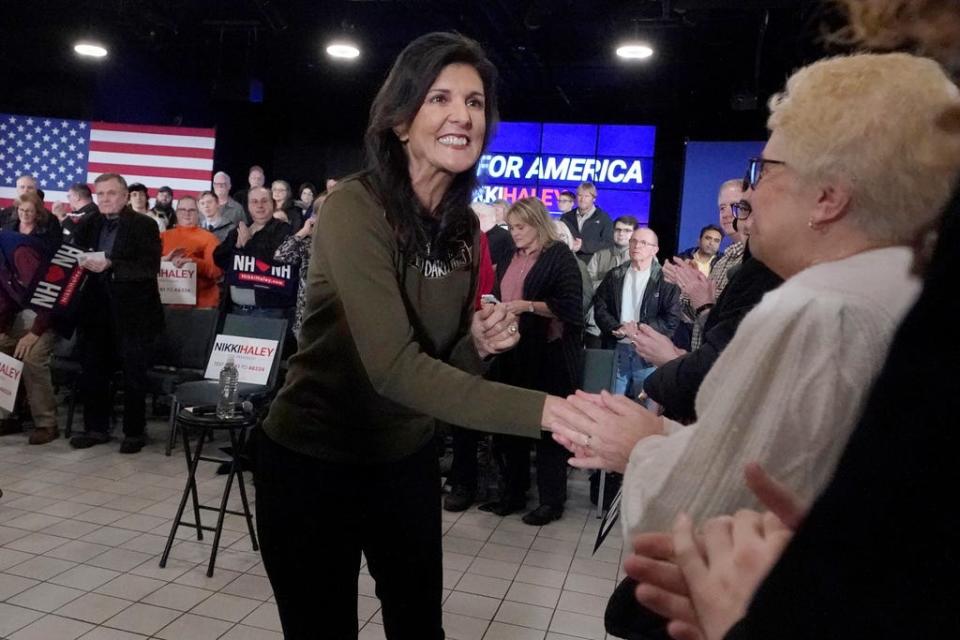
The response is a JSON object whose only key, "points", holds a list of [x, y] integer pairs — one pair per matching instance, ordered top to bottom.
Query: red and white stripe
{"points": [[178, 157]]}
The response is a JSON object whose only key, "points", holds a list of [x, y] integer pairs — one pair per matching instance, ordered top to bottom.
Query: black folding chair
{"points": [[180, 352], [65, 372], [202, 392]]}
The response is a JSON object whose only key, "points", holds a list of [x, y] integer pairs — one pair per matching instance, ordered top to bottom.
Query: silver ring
{"points": [[512, 328]]}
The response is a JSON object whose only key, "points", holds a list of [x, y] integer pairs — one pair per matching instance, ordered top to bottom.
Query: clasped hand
{"points": [[178, 257], [94, 263], [494, 329], [601, 430]]}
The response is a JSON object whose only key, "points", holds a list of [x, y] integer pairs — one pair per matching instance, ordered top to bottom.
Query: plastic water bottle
{"points": [[229, 383]]}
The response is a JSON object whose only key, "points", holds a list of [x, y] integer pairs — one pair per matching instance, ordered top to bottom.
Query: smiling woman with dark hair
{"points": [[390, 342]]}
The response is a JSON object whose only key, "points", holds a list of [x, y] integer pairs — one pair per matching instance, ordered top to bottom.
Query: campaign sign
{"points": [[534, 159], [252, 272], [178, 285], [57, 289], [253, 357], [10, 371]]}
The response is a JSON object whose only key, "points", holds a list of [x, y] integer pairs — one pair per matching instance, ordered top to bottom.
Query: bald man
{"points": [[631, 294]]}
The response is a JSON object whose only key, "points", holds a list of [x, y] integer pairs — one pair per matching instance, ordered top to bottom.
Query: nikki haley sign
{"points": [[542, 159]]}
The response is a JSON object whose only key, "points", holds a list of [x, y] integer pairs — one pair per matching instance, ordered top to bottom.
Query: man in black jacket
{"points": [[82, 208], [590, 225], [260, 241], [631, 294], [120, 312], [675, 383]]}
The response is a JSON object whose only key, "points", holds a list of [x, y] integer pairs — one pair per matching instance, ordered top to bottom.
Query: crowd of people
{"points": [[122, 241], [801, 371]]}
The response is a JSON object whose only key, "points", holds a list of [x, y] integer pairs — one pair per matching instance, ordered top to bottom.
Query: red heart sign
{"points": [[263, 266], [55, 274]]}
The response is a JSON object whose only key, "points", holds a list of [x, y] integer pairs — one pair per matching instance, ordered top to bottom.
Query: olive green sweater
{"points": [[376, 364]]}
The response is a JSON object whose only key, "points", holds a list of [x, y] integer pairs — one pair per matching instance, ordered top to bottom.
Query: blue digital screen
{"points": [[538, 159]]}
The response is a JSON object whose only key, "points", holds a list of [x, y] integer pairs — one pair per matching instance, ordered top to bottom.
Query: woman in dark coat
{"points": [[284, 206], [541, 284]]}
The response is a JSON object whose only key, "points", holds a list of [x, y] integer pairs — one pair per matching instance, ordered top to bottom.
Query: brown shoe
{"points": [[43, 436]]}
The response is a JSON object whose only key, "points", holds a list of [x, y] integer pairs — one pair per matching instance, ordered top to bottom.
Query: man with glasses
{"points": [[566, 201], [230, 210], [189, 243], [600, 265], [700, 292], [632, 294]]}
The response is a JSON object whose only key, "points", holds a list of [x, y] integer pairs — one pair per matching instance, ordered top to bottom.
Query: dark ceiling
{"points": [[189, 58], [193, 62]]}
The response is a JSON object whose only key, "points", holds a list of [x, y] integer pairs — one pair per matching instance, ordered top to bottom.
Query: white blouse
{"points": [[786, 392]]}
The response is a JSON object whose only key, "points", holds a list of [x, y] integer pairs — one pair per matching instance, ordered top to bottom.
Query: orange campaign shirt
{"points": [[199, 245]]}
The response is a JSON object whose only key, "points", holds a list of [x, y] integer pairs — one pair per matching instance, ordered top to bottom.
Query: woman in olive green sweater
{"points": [[389, 342]]}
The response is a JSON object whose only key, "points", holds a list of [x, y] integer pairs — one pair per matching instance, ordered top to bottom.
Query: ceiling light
{"points": [[90, 50], [345, 50], [635, 51]]}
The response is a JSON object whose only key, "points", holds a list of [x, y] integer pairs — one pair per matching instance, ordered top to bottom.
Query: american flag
{"points": [[61, 152]]}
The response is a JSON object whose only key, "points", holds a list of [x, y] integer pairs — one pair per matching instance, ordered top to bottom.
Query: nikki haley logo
{"points": [[59, 283]]}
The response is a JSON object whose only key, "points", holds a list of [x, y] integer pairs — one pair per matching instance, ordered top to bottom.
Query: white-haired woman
{"points": [[852, 171]]}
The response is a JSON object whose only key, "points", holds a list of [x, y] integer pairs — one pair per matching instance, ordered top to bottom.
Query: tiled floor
{"points": [[81, 534]]}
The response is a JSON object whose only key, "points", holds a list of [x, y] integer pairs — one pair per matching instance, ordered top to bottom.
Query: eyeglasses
{"points": [[755, 172], [741, 210], [642, 243]]}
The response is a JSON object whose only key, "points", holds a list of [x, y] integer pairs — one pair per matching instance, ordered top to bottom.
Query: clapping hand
{"points": [[61, 210], [307, 228], [243, 234], [697, 287], [653, 346], [724, 569], [703, 600]]}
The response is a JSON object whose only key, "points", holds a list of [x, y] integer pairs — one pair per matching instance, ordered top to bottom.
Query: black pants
{"points": [[591, 341], [104, 349], [513, 455], [464, 470], [314, 518]]}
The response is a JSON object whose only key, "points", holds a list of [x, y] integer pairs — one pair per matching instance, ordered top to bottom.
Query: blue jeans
{"points": [[632, 370]]}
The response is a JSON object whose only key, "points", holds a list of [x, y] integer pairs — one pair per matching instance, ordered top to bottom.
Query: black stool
{"points": [[204, 419]]}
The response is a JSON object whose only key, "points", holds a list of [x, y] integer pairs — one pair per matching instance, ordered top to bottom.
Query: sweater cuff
{"points": [[464, 356]]}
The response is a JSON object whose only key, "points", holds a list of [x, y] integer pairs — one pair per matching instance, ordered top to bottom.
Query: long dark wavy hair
{"points": [[387, 172]]}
